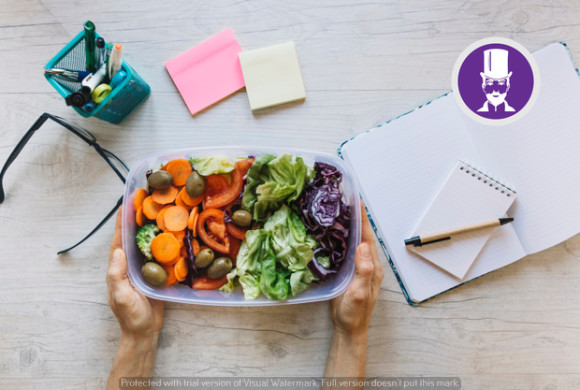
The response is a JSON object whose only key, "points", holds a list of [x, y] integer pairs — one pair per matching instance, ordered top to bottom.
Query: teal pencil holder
{"points": [[122, 100]]}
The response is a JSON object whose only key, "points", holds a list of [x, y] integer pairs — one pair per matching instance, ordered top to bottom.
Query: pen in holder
{"points": [[125, 96]]}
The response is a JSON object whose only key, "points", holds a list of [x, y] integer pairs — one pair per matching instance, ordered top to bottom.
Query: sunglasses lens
{"points": [[495, 86]]}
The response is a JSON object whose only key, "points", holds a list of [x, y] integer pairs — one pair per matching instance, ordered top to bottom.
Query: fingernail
{"points": [[365, 250], [117, 255]]}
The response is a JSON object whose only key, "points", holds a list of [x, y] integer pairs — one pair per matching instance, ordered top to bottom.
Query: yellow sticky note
{"points": [[272, 75]]}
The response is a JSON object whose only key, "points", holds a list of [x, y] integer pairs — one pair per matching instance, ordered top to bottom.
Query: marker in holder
{"points": [[125, 97]]}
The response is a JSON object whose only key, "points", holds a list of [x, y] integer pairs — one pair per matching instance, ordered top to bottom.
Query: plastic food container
{"points": [[182, 293]]}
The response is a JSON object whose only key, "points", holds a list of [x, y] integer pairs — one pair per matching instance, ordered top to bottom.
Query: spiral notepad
{"points": [[467, 196]]}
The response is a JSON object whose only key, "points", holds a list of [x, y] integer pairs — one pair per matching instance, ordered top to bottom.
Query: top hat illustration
{"points": [[495, 64]]}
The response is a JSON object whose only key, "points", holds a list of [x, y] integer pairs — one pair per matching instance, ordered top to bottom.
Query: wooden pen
{"points": [[443, 235]]}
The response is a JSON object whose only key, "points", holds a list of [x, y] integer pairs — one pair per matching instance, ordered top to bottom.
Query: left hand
{"points": [[138, 315]]}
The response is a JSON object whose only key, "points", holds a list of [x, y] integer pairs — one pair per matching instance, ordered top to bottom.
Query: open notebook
{"points": [[402, 164]]}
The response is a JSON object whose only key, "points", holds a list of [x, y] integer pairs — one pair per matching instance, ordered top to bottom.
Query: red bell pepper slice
{"points": [[245, 165], [215, 199], [236, 231], [216, 238], [235, 245], [205, 283]]}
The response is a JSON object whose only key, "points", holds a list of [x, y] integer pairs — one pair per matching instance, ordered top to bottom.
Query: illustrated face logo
{"points": [[495, 81]]}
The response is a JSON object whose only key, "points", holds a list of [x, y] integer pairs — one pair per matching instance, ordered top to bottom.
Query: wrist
{"points": [[352, 336], [140, 341], [347, 355]]}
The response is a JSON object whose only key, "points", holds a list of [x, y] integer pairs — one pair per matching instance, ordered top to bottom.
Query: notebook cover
{"points": [[393, 267]]}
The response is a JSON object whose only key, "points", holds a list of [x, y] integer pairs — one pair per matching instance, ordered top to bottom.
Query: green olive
{"points": [[160, 180], [195, 184], [242, 218], [204, 258], [219, 268], [154, 274]]}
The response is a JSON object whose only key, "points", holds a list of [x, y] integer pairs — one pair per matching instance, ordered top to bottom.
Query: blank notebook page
{"points": [[539, 155], [466, 197]]}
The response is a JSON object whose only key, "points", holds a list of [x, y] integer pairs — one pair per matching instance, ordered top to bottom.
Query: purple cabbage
{"points": [[324, 213], [316, 268], [192, 271]]}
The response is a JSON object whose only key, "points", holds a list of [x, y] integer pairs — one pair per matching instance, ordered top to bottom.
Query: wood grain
{"points": [[363, 63]]}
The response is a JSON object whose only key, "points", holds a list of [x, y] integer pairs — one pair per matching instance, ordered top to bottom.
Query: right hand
{"points": [[351, 311]]}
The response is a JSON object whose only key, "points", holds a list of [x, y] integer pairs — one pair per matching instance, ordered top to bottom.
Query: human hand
{"points": [[351, 311], [138, 315]]}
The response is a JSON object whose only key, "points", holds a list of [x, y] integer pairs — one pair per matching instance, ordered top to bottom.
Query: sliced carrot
{"points": [[180, 169], [140, 196], [165, 196], [188, 200], [179, 202], [151, 208], [139, 217], [161, 217], [176, 218], [192, 219], [180, 235], [195, 247], [165, 248], [183, 251], [181, 269], [171, 279]]}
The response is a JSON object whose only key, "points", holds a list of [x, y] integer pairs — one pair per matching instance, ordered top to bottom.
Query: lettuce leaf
{"points": [[213, 165], [257, 174], [272, 181], [293, 248], [250, 253], [274, 260], [300, 281], [273, 283], [251, 285]]}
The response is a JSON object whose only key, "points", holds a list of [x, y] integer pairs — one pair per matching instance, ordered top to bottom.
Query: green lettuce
{"points": [[213, 165], [272, 181], [289, 241], [250, 253], [273, 260], [273, 281], [300, 281], [251, 285]]}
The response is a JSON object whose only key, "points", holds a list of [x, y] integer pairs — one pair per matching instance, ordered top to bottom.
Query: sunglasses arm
{"points": [[19, 146], [107, 217]]}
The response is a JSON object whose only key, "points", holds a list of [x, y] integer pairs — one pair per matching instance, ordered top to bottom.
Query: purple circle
{"points": [[470, 81]]}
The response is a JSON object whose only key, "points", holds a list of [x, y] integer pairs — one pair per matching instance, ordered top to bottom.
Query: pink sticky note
{"points": [[208, 72]]}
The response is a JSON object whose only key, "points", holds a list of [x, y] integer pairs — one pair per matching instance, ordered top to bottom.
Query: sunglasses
{"points": [[491, 86], [113, 161]]}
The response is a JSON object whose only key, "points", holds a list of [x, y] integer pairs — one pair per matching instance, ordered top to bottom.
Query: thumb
{"points": [[363, 261], [117, 272]]}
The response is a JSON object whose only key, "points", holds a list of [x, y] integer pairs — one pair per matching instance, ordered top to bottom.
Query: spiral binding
{"points": [[486, 178]]}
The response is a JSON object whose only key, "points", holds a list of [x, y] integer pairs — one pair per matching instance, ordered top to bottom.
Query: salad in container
{"points": [[240, 226]]}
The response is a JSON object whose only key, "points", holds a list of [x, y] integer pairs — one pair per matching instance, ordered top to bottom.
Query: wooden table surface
{"points": [[362, 63]]}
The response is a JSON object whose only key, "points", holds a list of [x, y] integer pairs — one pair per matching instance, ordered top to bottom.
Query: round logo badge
{"points": [[495, 81]]}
